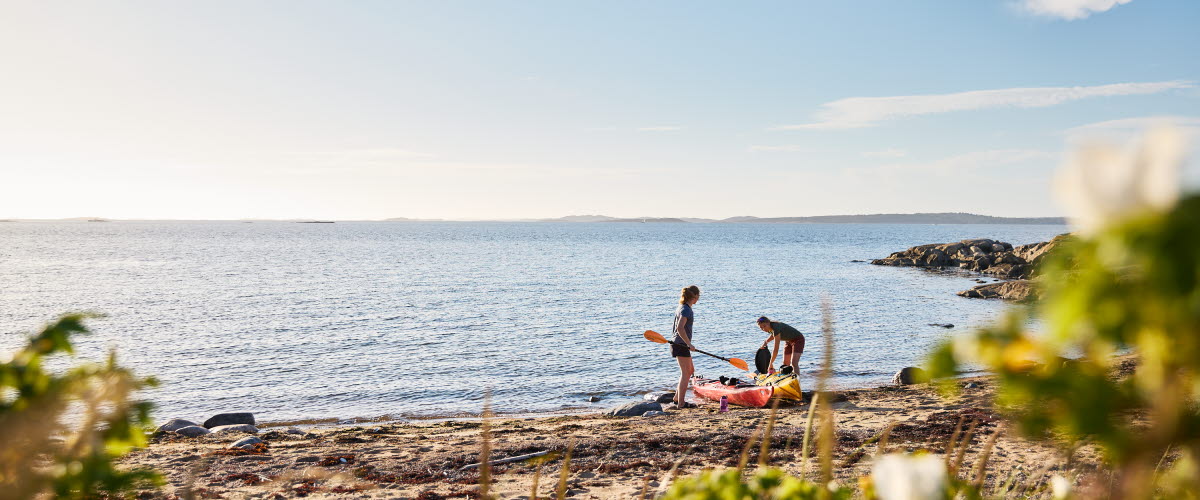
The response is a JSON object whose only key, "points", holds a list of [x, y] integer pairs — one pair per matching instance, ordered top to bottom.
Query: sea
{"points": [[364, 321]]}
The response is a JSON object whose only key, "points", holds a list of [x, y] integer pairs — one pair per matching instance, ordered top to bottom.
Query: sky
{"points": [[527, 109]]}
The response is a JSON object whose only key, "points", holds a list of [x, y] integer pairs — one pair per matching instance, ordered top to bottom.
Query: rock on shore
{"points": [[1017, 291]]}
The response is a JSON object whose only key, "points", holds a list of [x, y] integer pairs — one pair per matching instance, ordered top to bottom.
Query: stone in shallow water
{"points": [[230, 419], [174, 425], [235, 428], [192, 431]]}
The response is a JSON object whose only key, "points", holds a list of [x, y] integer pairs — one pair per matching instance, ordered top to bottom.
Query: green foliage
{"points": [[1135, 285], [41, 454], [765, 484]]}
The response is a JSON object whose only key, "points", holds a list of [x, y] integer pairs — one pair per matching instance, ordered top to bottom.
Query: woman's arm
{"points": [[683, 334], [774, 354]]}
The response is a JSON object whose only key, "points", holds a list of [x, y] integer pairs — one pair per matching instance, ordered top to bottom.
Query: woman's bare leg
{"points": [[685, 377]]}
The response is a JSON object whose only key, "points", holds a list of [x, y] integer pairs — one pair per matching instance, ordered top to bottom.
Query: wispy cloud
{"points": [[1069, 9], [859, 112], [668, 128], [1126, 128], [783, 148], [886, 153], [959, 164]]}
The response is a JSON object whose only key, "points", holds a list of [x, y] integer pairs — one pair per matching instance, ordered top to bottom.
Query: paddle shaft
{"points": [[702, 352]]}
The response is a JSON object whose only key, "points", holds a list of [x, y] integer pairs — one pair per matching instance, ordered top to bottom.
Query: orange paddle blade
{"points": [[653, 336], [740, 364]]}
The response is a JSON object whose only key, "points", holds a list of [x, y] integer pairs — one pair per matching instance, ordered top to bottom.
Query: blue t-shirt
{"points": [[684, 311]]}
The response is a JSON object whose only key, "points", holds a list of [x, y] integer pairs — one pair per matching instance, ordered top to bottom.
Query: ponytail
{"points": [[688, 293]]}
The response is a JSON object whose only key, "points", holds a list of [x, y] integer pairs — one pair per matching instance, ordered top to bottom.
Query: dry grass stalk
{"points": [[808, 424], [826, 439], [953, 441], [962, 449], [881, 450], [485, 451], [764, 451], [745, 457], [981, 467], [537, 476], [645, 488], [560, 492]]}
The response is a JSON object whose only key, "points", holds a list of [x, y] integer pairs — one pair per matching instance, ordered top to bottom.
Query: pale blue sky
{"points": [[363, 110]]}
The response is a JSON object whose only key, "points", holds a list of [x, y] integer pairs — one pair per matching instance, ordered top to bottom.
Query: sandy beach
{"points": [[611, 458]]}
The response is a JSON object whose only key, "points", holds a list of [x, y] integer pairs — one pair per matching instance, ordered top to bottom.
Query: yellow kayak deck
{"points": [[786, 386]]}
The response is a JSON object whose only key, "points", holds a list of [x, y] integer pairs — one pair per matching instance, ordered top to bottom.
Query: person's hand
{"points": [[692, 348], [771, 370]]}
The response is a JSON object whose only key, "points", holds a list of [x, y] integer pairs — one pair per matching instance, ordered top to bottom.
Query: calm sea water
{"points": [[409, 320]]}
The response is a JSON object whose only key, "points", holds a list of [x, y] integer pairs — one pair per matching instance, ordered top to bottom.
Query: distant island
{"points": [[919, 218]]}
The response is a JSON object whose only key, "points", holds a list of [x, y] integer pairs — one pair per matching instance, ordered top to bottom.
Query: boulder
{"points": [[1016, 291], [910, 375], [660, 397], [635, 409], [230, 419], [175, 424], [235, 428], [294, 430], [192, 431], [246, 442]]}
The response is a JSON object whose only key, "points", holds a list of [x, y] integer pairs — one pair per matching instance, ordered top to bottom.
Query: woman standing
{"points": [[792, 338], [681, 344]]}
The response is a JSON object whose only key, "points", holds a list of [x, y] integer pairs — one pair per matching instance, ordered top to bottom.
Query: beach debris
{"points": [[943, 325], [910, 375], [660, 397], [635, 408], [653, 414], [221, 419], [174, 425], [235, 428], [192, 431], [246, 442], [254, 449], [332, 460], [499, 461]]}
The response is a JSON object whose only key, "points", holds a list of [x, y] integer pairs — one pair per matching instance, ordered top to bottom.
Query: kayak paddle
{"points": [[653, 336]]}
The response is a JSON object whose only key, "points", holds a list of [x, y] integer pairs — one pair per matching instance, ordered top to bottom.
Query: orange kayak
{"points": [[755, 396]]}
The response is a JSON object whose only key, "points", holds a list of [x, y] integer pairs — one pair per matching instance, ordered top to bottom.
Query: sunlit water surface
{"points": [[412, 320]]}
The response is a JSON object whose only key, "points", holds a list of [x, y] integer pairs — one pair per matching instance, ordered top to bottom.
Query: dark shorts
{"points": [[790, 346], [680, 351]]}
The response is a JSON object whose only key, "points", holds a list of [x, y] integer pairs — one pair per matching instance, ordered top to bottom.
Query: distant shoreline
{"points": [[915, 218]]}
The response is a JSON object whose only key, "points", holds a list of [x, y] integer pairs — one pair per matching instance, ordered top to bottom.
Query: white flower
{"points": [[1100, 184], [905, 477], [1060, 487]]}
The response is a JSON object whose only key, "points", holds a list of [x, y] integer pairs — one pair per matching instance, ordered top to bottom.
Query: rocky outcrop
{"points": [[987, 256], [991, 257], [1016, 291]]}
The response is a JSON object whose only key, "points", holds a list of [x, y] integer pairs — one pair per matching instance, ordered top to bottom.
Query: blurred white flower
{"points": [[1101, 183], [905, 477], [1060, 487]]}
